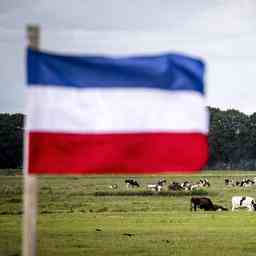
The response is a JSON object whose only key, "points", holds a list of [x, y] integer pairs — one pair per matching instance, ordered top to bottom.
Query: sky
{"points": [[221, 32]]}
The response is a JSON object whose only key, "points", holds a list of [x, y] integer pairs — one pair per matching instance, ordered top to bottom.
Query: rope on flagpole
{"points": [[30, 181]]}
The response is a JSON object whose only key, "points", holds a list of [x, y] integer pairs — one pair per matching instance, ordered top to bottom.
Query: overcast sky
{"points": [[222, 32]]}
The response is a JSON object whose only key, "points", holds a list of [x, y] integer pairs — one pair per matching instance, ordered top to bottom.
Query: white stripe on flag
{"points": [[113, 110]]}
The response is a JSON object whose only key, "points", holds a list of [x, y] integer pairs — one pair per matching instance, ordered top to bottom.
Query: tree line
{"points": [[11, 140], [232, 140]]}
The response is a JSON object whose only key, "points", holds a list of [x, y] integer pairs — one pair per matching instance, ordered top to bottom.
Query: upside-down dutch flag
{"points": [[106, 114]]}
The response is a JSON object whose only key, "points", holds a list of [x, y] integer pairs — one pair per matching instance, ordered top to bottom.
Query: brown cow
{"points": [[202, 203], [206, 204]]}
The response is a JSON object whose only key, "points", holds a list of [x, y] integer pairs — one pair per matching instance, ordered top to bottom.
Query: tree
{"points": [[11, 140]]}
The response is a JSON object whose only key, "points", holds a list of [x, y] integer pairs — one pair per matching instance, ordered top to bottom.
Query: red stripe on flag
{"points": [[65, 153]]}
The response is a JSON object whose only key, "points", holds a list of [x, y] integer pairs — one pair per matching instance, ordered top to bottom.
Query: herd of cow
{"points": [[243, 183], [174, 186], [201, 202]]}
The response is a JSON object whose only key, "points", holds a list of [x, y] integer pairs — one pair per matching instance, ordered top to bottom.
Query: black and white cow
{"points": [[161, 182], [205, 182], [229, 182], [131, 183], [201, 183], [246, 183], [186, 185], [157, 186], [175, 186], [243, 202]]}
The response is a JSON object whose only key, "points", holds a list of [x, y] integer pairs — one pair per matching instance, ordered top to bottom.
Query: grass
{"points": [[83, 216]]}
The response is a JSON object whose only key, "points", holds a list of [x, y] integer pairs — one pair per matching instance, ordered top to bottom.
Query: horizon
{"points": [[223, 110]]}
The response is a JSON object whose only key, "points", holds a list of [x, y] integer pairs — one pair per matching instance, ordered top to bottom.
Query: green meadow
{"points": [[79, 215]]}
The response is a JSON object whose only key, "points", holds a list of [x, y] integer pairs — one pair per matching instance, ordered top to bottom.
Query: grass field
{"points": [[83, 216]]}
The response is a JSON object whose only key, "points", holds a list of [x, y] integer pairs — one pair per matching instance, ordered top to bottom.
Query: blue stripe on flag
{"points": [[166, 71]]}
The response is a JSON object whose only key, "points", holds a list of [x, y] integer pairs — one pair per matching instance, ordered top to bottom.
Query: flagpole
{"points": [[30, 181]]}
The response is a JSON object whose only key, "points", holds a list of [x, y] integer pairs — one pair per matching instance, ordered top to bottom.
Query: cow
{"points": [[161, 182], [205, 182], [229, 182], [131, 183], [238, 183], [246, 183], [186, 185], [158, 186], [175, 186], [191, 186], [195, 186], [155, 187], [243, 202], [202, 203], [206, 204]]}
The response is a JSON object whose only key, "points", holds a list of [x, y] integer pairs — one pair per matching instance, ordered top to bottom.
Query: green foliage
{"points": [[11, 140], [232, 143]]}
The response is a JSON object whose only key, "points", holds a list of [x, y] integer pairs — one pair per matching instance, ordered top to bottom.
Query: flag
{"points": [[102, 114]]}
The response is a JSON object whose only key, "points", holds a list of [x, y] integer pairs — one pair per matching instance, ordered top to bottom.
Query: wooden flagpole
{"points": [[30, 181]]}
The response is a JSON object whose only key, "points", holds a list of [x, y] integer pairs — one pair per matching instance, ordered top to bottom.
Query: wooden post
{"points": [[33, 36], [30, 181], [29, 215]]}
